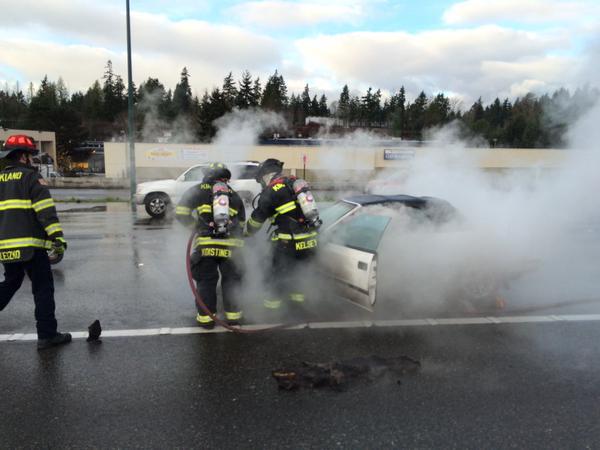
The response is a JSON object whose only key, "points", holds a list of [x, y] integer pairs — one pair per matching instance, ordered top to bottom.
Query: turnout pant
{"points": [[205, 271], [289, 275], [42, 285]]}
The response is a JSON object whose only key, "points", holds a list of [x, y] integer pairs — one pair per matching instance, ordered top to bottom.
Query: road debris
{"points": [[94, 331], [338, 374]]}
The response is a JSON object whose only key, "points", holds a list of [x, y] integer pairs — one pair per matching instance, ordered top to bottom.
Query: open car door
{"points": [[350, 257]]}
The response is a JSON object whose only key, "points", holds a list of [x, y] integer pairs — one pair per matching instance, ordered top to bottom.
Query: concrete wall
{"points": [[45, 140], [357, 164]]}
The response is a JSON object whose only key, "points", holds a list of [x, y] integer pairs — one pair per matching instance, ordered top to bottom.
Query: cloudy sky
{"points": [[466, 49]]}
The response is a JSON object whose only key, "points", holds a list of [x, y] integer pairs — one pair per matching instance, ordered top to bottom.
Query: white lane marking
{"points": [[499, 320]]}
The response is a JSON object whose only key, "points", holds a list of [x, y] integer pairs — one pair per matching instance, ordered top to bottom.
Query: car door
{"points": [[189, 178], [350, 256]]}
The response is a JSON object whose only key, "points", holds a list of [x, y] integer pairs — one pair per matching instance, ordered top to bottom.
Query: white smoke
{"points": [[239, 130], [514, 221]]}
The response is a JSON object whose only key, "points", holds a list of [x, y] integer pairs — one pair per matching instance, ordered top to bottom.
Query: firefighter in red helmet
{"points": [[29, 227]]}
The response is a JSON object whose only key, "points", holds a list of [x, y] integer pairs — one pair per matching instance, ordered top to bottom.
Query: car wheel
{"points": [[156, 204]]}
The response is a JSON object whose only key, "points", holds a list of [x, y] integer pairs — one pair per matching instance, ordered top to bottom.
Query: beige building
{"points": [[45, 141], [349, 163]]}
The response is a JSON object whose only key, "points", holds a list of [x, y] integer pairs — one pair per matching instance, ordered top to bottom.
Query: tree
{"points": [[113, 92], [229, 92], [256, 93], [245, 94], [275, 94], [182, 96], [305, 101], [93, 104], [314, 106], [43, 107], [343, 107], [323, 108], [13, 109], [296, 112], [398, 112], [437, 112], [416, 115]]}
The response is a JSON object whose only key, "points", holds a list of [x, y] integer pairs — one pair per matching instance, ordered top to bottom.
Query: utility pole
{"points": [[130, 119]]}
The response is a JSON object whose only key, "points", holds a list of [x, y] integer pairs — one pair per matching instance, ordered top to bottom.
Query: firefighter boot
{"points": [[233, 318], [205, 322]]}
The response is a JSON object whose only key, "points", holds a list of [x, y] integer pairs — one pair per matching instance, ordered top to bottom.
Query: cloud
{"points": [[527, 11], [286, 14], [76, 36], [487, 60], [80, 65]]}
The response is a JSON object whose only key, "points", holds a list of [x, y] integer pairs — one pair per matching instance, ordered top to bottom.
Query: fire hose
{"points": [[202, 306]]}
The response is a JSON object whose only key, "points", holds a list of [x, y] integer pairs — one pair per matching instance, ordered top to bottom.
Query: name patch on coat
{"points": [[10, 176], [304, 245], [218, 252], [10, 255]]}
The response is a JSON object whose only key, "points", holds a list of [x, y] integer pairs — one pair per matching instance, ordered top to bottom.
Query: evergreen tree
{"points": [[229, 92], [256, 93], [245, 94], [275, 94], [182, 96], [112, 98], [305, 102], [93, 104], [43, 107], [314, 107], [343, 107], [323, 108], [13, 109], [354, 111], [398, 111], [296, 112], [437, 112], [416, 115]]}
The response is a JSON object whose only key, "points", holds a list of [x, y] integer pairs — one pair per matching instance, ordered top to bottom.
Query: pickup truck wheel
{"points": [[156, 205]]}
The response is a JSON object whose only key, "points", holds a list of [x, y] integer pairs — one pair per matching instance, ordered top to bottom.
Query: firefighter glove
{"points": [[60, 245]]}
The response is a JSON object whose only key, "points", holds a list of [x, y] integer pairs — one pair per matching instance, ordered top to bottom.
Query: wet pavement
{"points": [[61, 194], [485, 383], [509, 386]]}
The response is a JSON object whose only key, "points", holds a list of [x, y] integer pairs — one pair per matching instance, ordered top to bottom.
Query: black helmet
{"points": [[18, 142], [270, 165], [216, 171]]}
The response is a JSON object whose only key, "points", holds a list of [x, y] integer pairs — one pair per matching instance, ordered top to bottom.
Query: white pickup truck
{"points": [[159, 196]]}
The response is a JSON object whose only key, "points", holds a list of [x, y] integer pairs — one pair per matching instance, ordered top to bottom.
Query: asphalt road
{"points": [[522, 378]]}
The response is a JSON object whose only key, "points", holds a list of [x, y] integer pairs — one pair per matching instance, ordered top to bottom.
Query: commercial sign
{"points": [[194, 153], [160, 154], [398, 155]]}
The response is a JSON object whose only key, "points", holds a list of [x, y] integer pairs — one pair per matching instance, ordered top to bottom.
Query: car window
{"points": [[195, 174], [334, 212], [362, 232]]}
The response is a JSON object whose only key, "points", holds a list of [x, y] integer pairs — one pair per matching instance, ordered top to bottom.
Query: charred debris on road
{"points": [[340, 375]]}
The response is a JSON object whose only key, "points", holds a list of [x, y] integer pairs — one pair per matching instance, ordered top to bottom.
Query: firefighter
{"points": [[288, 202], [220, 216], [29, 227]]}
